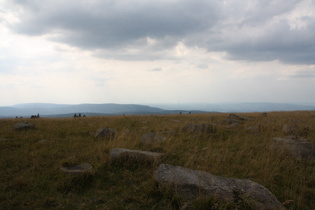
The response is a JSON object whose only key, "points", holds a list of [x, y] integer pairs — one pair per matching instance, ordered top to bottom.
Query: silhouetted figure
{"points": [[79, 114], [75, 115]]}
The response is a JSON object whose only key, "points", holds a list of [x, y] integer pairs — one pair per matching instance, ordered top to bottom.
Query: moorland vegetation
{"points": [[31, 160]]}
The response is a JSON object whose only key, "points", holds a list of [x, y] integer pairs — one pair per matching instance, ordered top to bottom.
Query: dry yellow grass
{"points": [[30, 162]]}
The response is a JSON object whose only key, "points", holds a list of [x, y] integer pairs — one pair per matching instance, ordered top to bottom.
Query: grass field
{"points": [[30, 175]]}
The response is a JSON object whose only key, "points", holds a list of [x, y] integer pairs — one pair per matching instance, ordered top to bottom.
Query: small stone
{"points": [[24, 126], [199, 129], [106, 133], [134, 157]]}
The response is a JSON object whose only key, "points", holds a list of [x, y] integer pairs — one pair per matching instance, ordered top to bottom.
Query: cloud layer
{"points": [[251, 30]]}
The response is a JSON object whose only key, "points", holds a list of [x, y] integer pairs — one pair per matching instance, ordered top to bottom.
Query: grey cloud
{"points": [[109, 24], [251, 30], [278, 42], [202, 66], [156, 69], [304, 74]]}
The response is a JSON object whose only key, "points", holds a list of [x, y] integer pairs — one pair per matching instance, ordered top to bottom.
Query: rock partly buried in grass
{"points": [[264, 114], [233, 118], [234, 125], [23, 126], [199, 129], [253, 129], [295, 130], [105, 133], [150, 137], [296, 146], [135, 157], [77, 168], [191, 184]]}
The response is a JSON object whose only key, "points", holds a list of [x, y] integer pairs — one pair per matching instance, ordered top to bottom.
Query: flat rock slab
{"points": [[23, 126], [296, 146], [129, 157], [80, 168], [190, 184]]}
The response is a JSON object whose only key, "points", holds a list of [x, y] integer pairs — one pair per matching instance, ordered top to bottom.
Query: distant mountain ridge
{"points": [[238, 107], [63, 109], [67, 110]]}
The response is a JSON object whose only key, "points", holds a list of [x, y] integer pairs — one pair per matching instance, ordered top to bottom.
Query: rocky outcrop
{"points": [[23, 126], [199, 129], [105, 133], [150, 137], [296, 146], [134, 157], [191, 184]]}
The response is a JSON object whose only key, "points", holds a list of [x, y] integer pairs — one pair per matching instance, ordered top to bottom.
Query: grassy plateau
{"points": [[30, 175]]}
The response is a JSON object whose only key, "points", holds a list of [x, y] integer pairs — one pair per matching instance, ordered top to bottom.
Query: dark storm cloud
{"points": [[110, 24], [252, 30]]}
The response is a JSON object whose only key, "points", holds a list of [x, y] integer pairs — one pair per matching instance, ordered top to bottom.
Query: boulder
{"points": [[24, 126], [199, 129], [106, 133], [151, 138], [296, 146], [134, 157], [190, 184]]}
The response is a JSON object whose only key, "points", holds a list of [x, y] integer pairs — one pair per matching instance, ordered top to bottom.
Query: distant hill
{"points": [[238, 107], [62, 110], [66, 110]]}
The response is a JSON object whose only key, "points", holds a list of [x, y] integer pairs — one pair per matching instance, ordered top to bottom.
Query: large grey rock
{"points": [[24, 126], [199, 129], [106, 133], [151, 138], [296, 146], [131, 157], [190, 184]]}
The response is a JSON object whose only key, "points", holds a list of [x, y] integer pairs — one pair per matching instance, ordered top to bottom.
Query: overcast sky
{"points": [[157, 51]]}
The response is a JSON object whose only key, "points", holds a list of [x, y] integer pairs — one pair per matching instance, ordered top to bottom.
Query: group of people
{"points": [[78, 115]]}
